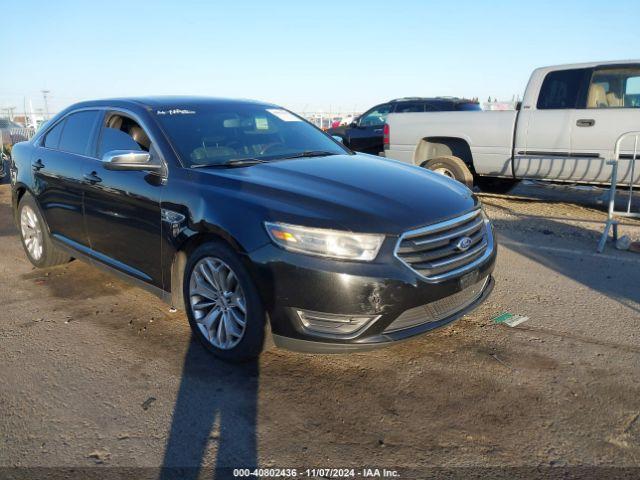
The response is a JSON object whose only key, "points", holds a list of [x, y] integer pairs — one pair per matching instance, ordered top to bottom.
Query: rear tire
{"points": [[452, 167], [496, 185], [34, 233], [224, 309]]}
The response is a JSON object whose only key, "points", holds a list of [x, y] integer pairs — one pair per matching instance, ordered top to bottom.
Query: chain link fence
{"points": [[8, 138]]}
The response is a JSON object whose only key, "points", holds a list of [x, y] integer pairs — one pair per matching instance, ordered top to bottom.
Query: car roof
{"points": [[570, 66], [432, 99], [166, 101]]}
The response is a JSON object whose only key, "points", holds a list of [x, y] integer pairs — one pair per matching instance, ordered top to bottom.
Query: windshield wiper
{"points": [[309, 153], [239, 162]]}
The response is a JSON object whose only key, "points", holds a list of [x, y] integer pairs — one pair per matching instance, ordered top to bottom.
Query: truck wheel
{"points": [[452, 167], [496, 185], [35, 236]]}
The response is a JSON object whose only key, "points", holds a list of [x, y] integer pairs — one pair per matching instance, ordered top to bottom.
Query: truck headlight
{"points": [[325, 243]]}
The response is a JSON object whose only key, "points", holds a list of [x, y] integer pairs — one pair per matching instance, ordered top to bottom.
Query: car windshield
{"points": [[241, 134]]}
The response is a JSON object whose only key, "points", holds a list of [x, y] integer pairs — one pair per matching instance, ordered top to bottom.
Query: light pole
{"points": [[46, 105]]}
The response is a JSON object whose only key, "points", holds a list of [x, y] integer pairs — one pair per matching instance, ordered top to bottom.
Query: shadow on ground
{"points": [[7, 226], [215, 410]]}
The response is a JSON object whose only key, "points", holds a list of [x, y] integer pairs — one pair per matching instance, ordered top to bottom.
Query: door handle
{"points": [[586, 122], [38, 165], [92, 178]]}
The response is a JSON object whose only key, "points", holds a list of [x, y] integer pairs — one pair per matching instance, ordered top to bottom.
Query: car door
{"points": [[613, 108], [543, 133], [367, 135], [57, 166], [122, 208]]}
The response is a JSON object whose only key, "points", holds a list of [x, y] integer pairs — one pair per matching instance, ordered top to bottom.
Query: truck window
{"points": [[615, 88], [562, 89], [376, 116]]}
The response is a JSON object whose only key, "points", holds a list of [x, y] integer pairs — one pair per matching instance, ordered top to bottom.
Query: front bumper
{"points": [[386, 288]]}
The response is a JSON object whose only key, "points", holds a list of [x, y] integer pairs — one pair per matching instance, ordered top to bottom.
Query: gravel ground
{"points": [[96, 373]]}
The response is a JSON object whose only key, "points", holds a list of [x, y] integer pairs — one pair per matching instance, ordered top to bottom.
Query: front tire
{"points": [[452, 167], [35, 237], [224, 309]]}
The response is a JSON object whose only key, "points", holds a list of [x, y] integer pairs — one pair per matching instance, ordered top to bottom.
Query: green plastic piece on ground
{"points": [[503, 317], [510, 319]]}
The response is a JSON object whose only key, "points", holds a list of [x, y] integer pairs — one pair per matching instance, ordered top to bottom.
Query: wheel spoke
{"points": [[205, 270], [221, 277], [231, 280], [203, 290], [238, 302], [203, 304], [210, 318], [237, 319], [232, 326], [222, 337]]}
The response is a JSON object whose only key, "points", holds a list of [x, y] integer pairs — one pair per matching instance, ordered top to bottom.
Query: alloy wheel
{"points": [[444, 171], [31, 232], [218, 303]]}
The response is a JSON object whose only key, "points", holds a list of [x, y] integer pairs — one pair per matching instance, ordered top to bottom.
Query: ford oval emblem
{"points": [[463, 244]]}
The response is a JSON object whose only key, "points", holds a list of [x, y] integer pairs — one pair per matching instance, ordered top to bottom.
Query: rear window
{"points": [[562, 89], [77, 132]]}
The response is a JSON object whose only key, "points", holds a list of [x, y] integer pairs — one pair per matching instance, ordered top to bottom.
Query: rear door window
{"points": [[563, 90], [409, 107], [77, 132], [52, 138]]}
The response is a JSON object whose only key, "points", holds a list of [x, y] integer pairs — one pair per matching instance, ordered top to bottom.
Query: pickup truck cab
{"points": [[564, 130]]}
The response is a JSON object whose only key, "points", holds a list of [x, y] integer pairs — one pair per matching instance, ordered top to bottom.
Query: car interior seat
{"points": [[597, 97], [613, 100], [140, 137]]}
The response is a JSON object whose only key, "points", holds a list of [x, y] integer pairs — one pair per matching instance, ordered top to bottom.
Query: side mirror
{"points": [[353, 124], [338, 138], [129, 160]]}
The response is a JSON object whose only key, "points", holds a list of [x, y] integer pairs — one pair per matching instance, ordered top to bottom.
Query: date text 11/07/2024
{"points": [[316, 472]]}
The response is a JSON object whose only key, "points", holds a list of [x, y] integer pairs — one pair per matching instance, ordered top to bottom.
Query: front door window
{"points": [[375, 117]]}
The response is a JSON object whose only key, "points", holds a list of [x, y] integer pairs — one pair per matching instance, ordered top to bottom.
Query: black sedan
{"points": [[366, 134], [248, 216]]}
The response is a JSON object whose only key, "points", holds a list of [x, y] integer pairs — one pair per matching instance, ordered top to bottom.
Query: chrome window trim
{"points": [[38, 138], [436, 227]]}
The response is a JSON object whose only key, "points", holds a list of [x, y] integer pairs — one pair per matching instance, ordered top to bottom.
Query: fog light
{"points": [[334, 324]]}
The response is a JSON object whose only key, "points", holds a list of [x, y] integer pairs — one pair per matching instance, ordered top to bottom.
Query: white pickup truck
{"points": [[564, 130]]}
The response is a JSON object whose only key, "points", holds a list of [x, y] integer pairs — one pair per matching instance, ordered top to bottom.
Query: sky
{"points": [[305, 55]]}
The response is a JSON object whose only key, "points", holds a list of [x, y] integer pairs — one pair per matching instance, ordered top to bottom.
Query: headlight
{"points": [[325, 243]]}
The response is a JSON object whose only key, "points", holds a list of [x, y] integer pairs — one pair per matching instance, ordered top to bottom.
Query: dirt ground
{"points": [[96, 373]]}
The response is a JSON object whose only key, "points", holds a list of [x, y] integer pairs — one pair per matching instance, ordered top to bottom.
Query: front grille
{"points": [[434, 251], [438, 310]]}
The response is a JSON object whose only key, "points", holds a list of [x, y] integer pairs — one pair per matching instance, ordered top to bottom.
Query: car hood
{"points": [[362, 193]]}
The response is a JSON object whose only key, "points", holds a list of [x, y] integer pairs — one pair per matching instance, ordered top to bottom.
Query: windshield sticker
{"points": [[175, 111], [283, 115], [262, 123]]}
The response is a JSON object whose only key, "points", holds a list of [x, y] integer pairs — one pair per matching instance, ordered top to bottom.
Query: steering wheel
{"points": [[270, 146]]}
